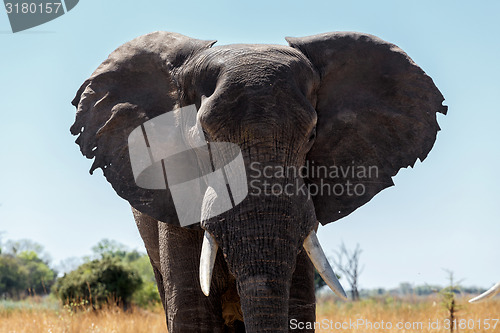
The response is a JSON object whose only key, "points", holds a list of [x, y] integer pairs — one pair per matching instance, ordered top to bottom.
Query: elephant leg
{"points": [[148, 229], [161, 289], [302, 304], [188, 309]]}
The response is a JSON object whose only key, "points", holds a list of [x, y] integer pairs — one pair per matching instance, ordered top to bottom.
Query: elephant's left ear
{"points": [[376, 114]]}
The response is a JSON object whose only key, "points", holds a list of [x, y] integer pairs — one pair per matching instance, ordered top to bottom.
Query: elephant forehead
{"points": [[254, 64]]}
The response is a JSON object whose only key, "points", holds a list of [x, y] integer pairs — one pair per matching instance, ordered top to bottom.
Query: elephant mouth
{"points": [[311, 246]]}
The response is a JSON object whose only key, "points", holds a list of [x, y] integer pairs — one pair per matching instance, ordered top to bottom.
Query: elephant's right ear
{"points": [[136, 83], [376, 114]]}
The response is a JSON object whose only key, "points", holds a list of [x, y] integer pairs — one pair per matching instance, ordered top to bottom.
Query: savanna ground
{"points": [[39, 316]]}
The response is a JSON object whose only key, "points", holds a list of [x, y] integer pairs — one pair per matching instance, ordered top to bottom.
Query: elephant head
{"points": [[347, 110], [490, 293]]}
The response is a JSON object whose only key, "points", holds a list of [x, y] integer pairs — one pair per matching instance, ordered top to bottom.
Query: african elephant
{"points": [[347, 110], [490, 293]]}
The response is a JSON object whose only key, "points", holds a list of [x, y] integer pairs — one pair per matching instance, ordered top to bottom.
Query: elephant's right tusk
{"points": [[318, 258], [207, 261], [487, 294]]}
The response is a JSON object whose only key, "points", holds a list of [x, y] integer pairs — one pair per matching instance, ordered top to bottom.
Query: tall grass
{"points": [[410, 314], [37, 316], [46, 316]]}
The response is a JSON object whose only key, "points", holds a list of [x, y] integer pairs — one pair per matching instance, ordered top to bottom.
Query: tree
{"points": [[1, 242], [21, 245], [16, 247], [109, 248], [347, 262], [69, 264], [24, 273], [40, 276], [13, 277], [99, 282], [405, 288], [147, 294], [449, 301]]}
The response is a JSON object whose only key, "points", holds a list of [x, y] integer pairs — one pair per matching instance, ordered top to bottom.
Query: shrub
{"points": [[24, 274], [40, 276], [13, 277], [98, 282], [147, 295]]}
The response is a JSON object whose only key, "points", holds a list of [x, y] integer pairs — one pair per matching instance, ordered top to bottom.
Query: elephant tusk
{"points": [[318, 258], [207, 261], [487, 294]]}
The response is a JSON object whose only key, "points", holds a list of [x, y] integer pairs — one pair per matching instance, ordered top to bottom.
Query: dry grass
{"points": [[417, 314], [40, 318], [109, 320]]}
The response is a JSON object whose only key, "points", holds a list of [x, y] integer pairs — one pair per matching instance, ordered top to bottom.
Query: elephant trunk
{"points": [[260, 247], [263, 272], [264, 303]]}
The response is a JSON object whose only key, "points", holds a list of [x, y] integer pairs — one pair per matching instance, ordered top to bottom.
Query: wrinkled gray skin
{"points": [[336, 99]]}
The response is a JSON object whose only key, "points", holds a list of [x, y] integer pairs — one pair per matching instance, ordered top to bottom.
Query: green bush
{"points": [[24, 274], [40, 276], [13, 277], [99, 282], [147, 295]]}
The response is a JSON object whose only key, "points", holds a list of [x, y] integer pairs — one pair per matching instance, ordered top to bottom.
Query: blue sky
{"points": [[443, 214]]}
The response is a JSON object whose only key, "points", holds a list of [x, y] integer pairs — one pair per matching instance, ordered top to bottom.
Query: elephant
{"points": [[344, 110], [490, 293]]}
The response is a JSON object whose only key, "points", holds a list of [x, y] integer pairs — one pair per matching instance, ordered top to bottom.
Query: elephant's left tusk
{"points": [[318, 258], [207, 261], [487, 294]]}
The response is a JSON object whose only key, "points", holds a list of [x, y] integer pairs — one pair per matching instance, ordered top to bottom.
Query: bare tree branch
{"points": [[347, 262]]}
